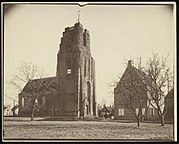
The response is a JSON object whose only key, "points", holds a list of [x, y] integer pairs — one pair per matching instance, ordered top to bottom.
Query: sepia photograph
{"points": [[88, 71]]}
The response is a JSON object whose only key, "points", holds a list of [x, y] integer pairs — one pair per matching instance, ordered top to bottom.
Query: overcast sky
{"points": [[117, 32]]}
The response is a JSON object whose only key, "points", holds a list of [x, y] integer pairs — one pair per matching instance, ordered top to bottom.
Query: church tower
{"points": [[76, 94]]}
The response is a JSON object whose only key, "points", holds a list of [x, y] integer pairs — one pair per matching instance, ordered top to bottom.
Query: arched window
{"points": [[89, 97]]}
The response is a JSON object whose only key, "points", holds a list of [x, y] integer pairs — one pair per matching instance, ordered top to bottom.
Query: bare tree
{"points": [[25, 75], [160, 80], [132, 92]]}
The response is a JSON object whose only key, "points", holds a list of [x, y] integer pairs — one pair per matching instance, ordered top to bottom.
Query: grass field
{"points": [[23, 128]]}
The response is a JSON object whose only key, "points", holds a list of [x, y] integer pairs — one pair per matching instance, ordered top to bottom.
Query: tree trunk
{"points": [[33, 111], [14, 113], [32, 115], [162, 120], [138, 121]]}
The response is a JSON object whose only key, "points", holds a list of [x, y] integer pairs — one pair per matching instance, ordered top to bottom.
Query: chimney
{"points": [[129, 63]]}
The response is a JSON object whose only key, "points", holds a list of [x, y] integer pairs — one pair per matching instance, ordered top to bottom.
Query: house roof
{"points": [[143, 76], [49, 83], [170, 94], [4, 107], [15, 107], [99, 107], [109, 108], [106, 109]]}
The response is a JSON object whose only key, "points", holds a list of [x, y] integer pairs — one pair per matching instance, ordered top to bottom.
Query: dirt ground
{"points": [[24, 129]]}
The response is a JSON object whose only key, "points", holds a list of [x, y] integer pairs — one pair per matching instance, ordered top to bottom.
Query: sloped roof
{"points": [[139, 72], [143, 76], [41, 84], [170, 94], [4, 107], [99, 107], [14, 108], [109, 108], [106, 109]]}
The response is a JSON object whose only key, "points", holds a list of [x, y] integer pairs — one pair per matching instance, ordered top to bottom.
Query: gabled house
{"points": [[44, 90], [129, 91]]}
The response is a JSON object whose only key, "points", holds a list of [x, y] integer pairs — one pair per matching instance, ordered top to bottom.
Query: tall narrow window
{"points": [[84, 38], [85, 68], [89, 68], [92, 69], [89, 96], [22, 102], [143, 110], [137, 111], [151, 111], [122, 112]]}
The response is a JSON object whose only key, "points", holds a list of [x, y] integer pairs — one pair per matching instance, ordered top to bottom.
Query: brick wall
{"points": [[77, 89], [123, 93]]}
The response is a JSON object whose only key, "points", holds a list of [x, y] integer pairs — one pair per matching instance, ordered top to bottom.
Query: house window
{"points": [[68, 71], [22, 102], [137, 111], [143, 111], [151, 111], [121, 112]]}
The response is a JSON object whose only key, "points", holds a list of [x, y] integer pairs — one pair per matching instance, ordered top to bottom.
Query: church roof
{"points": [[49, 83]]}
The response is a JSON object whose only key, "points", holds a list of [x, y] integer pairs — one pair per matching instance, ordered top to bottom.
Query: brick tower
{"points": [[76, 94]]}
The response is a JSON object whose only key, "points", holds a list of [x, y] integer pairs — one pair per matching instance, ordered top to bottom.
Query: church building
{"points": [[73, 93], [76, 94]]}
